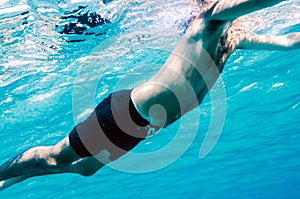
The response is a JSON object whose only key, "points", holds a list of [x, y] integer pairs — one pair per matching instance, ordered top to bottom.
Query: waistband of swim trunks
{"points": [[138, 119]]}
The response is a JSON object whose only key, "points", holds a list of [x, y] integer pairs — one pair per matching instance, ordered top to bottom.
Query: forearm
{"points": [[230, 10], [267, 42]]}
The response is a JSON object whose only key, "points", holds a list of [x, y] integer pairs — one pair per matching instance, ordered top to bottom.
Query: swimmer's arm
{"points": [[229, 10], [265, 42]]}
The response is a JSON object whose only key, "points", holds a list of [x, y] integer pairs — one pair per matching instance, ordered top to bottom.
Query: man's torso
{"points": [[188, 74]]}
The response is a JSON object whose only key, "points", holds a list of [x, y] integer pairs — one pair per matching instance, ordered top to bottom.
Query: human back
{"points": [[196, 62], [187, 75]]}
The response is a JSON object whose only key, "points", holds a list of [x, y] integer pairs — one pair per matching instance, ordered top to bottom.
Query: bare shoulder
{"points": [[203, 24], [235, 35], [230, 39]]}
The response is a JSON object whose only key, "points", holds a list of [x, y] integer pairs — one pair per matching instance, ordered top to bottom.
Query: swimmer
{"points": [[126, 117]]}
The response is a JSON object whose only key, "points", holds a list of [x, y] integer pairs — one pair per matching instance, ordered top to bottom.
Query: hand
{"points": [[293, 40]]}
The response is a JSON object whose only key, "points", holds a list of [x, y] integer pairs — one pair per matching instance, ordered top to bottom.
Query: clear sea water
{"points": [[42, 70]]}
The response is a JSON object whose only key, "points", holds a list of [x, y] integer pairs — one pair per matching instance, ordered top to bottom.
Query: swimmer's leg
{"points": [[44, 160], [83, 167]]}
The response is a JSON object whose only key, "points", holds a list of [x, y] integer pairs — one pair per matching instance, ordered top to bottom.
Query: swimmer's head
{"points": [[202, 1], [204, 4], [201, 5]]}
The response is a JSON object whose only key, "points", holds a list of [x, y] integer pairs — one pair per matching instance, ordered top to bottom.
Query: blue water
{"points": [[42, 71]]}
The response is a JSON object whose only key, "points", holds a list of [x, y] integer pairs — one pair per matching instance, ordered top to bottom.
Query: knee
{"points": [[60, 161], [54, 162], [53, 165]]}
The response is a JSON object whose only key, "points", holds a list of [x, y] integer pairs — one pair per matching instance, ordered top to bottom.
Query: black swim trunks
{"points": [[114, 125]]}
